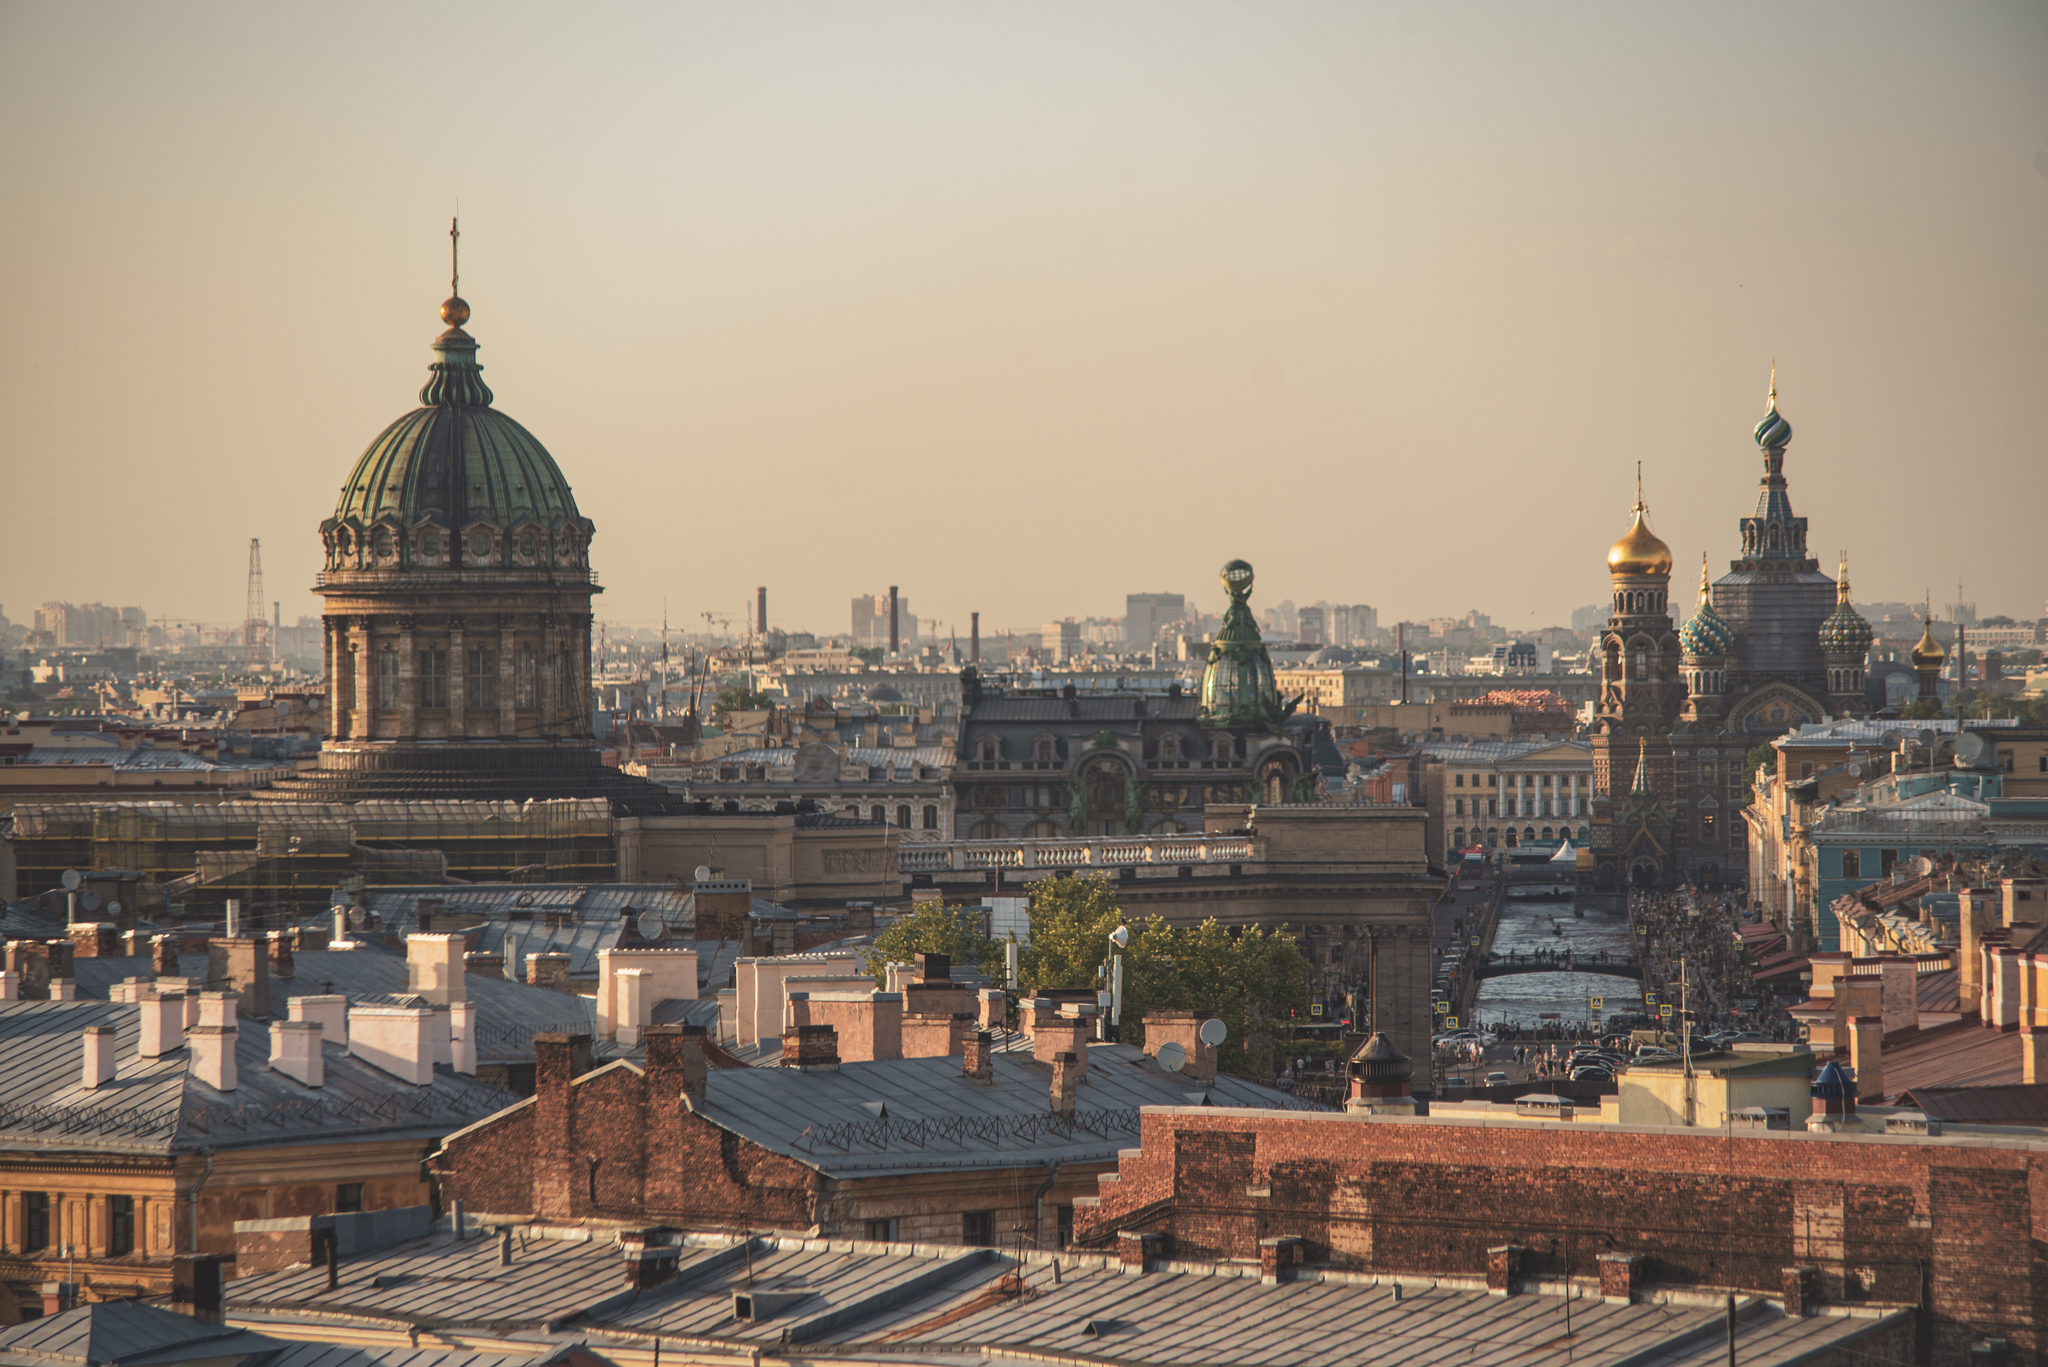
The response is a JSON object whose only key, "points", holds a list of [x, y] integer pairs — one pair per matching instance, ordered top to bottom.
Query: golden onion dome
{"points": [[1640, 550], [1929, 651]]}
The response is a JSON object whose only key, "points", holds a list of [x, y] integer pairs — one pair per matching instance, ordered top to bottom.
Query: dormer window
{"points": [[1169, 749], [988, 750], [1043, 751]]}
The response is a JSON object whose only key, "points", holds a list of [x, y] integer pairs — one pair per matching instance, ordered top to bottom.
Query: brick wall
{"points": [[1874, 1217]]}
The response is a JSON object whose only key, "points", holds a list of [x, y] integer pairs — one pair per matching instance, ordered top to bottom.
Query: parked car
{"points": [[1591, 1073], [1496, 1079], [1456, 1084]]}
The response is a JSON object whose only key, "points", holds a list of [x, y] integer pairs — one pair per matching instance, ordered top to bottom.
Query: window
{"points": [[387, 678], [433, 678], [483, 679], [525, 679], [988, 749], [1043, 751], [1806, 769], [1493, 780], [1458, 806], [1492, 807], [880, 815], [903, 816], [931, 817], [1707, 827], [1885, 860], [1852, 863], [348, 1198], [35, 1221], [120, 1225], [1063, 1225], [978, 1227], [881, 1231]]}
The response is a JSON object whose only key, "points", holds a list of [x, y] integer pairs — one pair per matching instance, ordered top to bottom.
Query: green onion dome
{"points": [[1845, 632], [1706, 635]]}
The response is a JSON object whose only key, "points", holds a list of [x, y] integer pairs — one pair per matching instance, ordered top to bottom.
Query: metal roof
{"points": [[157, 1105], [920, 1114], [951, 1304]]}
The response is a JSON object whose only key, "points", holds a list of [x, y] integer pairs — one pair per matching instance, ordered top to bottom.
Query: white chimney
{"points": [[234, 917], [341, 923], [511, 954], [434, 967], [10, 986], [631, 988], [63, 989], [186, 989], [217, 1008], [330, 1011], [163, 1023], [462, 1028], [443, 1035], [397, 1039], [295, 1051], [213, 1054], [99, 1056]]}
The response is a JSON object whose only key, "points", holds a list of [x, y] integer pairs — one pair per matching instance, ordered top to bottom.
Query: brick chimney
{"points": [[95, 940], [280, 953], [163, 955], [242, 965], [934, 968], [549, 970], [330, 1010], [163, 1023], [869, 1024], [1185, 1029], [1061, 1032], [212, 1041], [813, 1048], [295, 1051], [99, 1056], [1866, 1057], [979, 1063], [676, 1064], [1379, 1076], [1066, 1078], [560, 1176], [195, 1286], [59, 1297]]}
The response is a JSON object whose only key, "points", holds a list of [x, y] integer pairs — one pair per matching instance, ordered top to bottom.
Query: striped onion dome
{"points": [[1773, 432], [1845, 632], [1706, 634]]}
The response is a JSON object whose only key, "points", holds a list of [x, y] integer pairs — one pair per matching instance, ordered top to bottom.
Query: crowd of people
{"points": [[1693, 962]]}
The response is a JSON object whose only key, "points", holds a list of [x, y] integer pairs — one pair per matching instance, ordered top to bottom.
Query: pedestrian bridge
{"points": [[1615, 968]]}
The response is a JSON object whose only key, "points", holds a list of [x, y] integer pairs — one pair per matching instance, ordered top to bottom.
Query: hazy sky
{"points": [[1026, 306]]}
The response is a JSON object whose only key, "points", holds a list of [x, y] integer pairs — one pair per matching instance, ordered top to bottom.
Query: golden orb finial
{"points": [[454, 312]]}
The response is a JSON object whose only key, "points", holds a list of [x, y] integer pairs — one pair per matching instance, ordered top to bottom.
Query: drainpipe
{"points": [[1052, 1175], [193, 1197]]}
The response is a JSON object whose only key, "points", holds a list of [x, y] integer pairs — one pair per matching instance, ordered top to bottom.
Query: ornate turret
{"points": [[1773, 539], [1845, 639], [1707, 641], [1928, 659], [1640, 684], [1238, 688], [1379, 1077]]}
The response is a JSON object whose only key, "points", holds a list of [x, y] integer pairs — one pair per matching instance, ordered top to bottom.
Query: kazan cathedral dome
{"points": [[457, 588], [1770, 645]]}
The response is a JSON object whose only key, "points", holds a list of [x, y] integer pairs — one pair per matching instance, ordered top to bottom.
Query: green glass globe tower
{"points": [[1238, 688]]}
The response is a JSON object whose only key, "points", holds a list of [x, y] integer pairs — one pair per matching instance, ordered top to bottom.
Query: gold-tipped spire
{"points": [[454, 312], [1772, 397], [1640, 550], [1842, 579], [1704, 594]]}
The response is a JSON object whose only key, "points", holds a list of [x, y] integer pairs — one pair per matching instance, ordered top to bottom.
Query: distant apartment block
{"points": [[1146, 613]]}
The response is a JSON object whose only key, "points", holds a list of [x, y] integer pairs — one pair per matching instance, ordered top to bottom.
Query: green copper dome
{"points": [[455, 483], [1845, 633], [1238, 688]]}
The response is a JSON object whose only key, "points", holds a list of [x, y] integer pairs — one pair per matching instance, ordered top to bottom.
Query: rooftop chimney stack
{"points": [[434, 967], [330, 1010], [462, 1029], [397, 1039], [212, 1041], [812, 1048], [295, 1051], [99, 1056], [1866, 1057], [979, 1063], [676, 1064], [1066, 1077]]}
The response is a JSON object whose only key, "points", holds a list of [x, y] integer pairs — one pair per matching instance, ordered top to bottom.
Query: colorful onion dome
{"points": [[1773, 432], [1845, 632], [1706, 634]]}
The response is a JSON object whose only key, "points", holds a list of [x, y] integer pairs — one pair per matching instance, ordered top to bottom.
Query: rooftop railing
{"points": [[1101, 852]]}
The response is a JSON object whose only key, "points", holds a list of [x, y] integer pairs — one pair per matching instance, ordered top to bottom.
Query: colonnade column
{"points": [[332, 653], [545, 677], [458, 681], [408, 683], [362, 719], [508, 724]]}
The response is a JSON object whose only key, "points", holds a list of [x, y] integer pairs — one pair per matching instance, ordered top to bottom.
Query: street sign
{"points": [[1475, 942], [1649, 998], [1599, 1003], [1315, 1008], [1442, 1008], [1664, 1011], [1452, 1021]]}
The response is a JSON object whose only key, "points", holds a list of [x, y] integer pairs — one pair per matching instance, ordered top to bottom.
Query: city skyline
{"points": [[1380, 264]]}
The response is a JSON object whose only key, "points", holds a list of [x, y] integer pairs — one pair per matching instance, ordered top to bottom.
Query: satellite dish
{"points": [[1926, 737], [1972, 751], [1856, 771], [1923, 866], [703, 874], [70, 880], [91, 901], [113, 908], [649, 925], [1120, 937], [1214, 1032], [1172, 1057]]}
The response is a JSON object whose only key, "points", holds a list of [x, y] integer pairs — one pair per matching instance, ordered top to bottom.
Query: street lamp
{"points": [[1113, 1026]]}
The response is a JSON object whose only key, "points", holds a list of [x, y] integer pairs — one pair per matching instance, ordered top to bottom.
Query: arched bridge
{"points": [[1616, 968]]}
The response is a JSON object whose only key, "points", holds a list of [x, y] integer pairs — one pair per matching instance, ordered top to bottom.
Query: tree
{"points": [[737, 699], [1922, 709], [1765, 756], [934, 928], [1250, 978]]}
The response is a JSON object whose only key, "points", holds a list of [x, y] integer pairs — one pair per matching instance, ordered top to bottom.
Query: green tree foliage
{"points": [[871, 655], [737, 700], [1976, 704], [1921, 709], [1763, 757], [933, 928], [1251, 980]]}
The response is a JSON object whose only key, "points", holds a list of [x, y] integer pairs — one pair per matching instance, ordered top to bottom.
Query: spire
{"points": [[454, 312], [456, 378], [1772, 398], [1842, 579], [1705, 592], [1641, 787]]}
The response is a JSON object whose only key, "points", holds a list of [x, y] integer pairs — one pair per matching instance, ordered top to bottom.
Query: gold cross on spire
{"points": [[1774, 385]]}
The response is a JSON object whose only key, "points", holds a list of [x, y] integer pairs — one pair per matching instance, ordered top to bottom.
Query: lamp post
{"points": [[1113, 1028]]}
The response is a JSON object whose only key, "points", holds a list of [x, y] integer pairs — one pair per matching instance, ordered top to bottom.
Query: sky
{"points": [[1027, 306]]}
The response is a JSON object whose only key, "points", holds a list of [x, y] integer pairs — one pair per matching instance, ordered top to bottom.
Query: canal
{"points": [[1524, 998]]}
